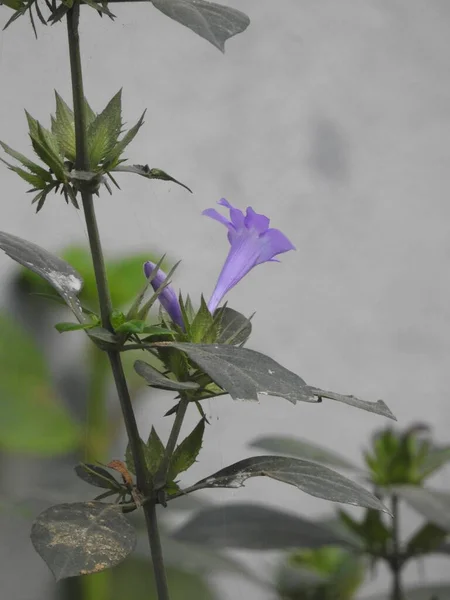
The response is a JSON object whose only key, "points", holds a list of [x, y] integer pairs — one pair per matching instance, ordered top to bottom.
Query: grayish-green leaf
{"points": [[213, 22], [145, 171], [57, 272], [234, 328], [103, 338], [244, 373], [156, 379], [379, 407], [301, 449], [311, 478], [434, 505], [255, 527], [82, 538], [426, 592]]}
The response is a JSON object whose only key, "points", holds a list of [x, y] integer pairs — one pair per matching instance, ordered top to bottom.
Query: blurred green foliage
{"points": [[33, 417]]}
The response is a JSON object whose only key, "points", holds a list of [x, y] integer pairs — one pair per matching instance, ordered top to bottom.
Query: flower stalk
{"points": [[82, 164]]}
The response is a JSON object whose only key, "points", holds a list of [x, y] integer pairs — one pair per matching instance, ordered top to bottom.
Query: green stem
{"points": [[82, 164], [156, 551], [395, 562]]}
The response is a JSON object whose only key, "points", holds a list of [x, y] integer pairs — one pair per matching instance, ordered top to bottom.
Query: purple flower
{"points": [[252, 243], [167, 297]]}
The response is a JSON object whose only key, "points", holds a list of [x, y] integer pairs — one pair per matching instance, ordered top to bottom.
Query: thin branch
{"points": [[161, 475]]}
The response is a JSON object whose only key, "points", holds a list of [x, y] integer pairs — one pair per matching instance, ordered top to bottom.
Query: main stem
{"points": [[82, 164], [395, 563]]}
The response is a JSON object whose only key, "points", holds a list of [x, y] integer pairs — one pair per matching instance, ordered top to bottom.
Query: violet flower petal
{"points": [[252, 243], [167, 297]]}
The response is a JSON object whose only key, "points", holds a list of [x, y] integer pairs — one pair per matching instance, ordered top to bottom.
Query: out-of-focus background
{"points": [[330, 117]]}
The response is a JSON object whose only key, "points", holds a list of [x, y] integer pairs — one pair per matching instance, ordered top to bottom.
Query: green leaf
{"points": [[14, 4], [101, 8], [59, 13], [213, 22], [89, 113], [32, 125], [63, 128], [104, 131], [46, 147], [111, 159], [29, 164], [145, 171], [34, 180], [117, 319], [133, 326], [138, 326], [63, 327], [202, 327], [156, 379], [32, 416], [302, 449], [153, 453], [186, 453], [436, 458], [129, 461], [97, 476], [309, 477], [434, 505], [255, 527], [371, 530], [82, 538], [428, 539], [342, 574]]}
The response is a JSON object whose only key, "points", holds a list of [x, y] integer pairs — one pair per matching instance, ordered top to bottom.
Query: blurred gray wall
{"points": [[333, 118]]}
